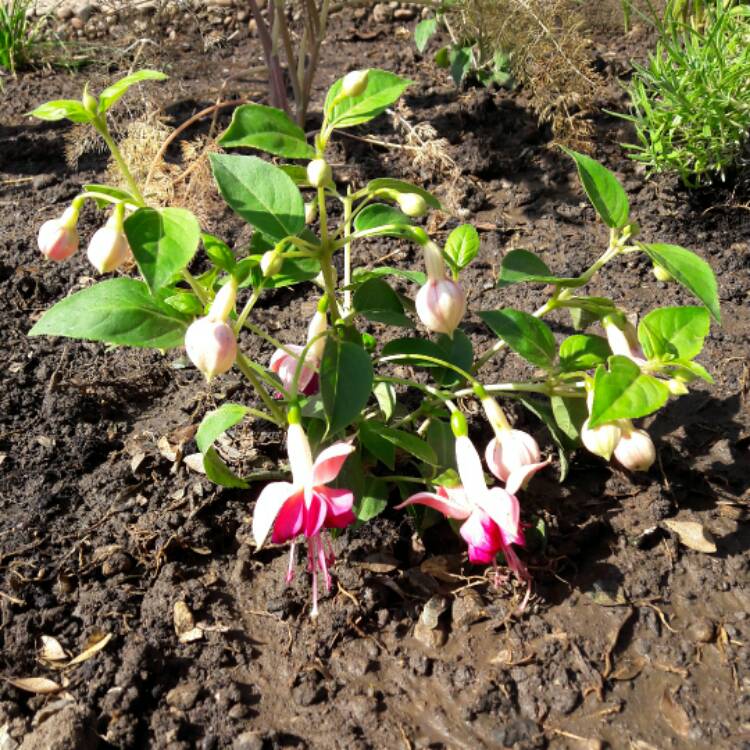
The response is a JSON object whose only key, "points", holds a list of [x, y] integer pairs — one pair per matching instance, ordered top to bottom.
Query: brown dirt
{"points": [[630, 638]]}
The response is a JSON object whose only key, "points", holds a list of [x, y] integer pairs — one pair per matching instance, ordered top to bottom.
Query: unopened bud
{"points": [[354, 83], [90, 103], [319, 173], [412, 204], [311, 212], [58, 238], [108, 248], [433, 261], [271, 263], [662, 274], [224, 301], [441, 305], [318, 326], [211, 346], [677, 387], [601, 440], [635, 450], [510, 451]]}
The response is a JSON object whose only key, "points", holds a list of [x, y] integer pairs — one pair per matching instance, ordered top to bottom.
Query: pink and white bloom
{"points": [[58, 238], [109, 248], [441, 302], [623, 340], [210, 342], [284, 361], [601, 440], [635, 449], [513, 456], [306, 505], [491, 516]]}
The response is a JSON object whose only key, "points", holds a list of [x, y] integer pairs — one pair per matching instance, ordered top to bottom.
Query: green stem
{"points": [[101, 127], [347, 250], [326, 261], [195, 286], [242, 317], [433, 360], [245, 367]]}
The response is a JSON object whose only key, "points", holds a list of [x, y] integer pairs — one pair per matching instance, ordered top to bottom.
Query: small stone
{"points": [[64, 12], [381, 13], [404, 14], [76, 23], [119, 562], [467, 609], [701, 630], [183, 696], [238, 711], [66, 729], [248, 741]]}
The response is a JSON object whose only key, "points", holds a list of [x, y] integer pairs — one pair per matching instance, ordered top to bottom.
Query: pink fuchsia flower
{"points": [[58, 238], [109, 247], [441, 302], [623, 340], [210, 341], [284, 361], [635, 450], [513, 456], [306, 505], [491, 516]]}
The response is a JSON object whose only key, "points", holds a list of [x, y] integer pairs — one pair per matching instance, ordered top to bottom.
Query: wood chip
{"points": [[194, 462], [692, 534], [94, 644], [52, 650]]}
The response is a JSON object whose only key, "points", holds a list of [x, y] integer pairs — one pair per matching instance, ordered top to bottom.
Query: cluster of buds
{"points": [[108, 248], [441, 302], [210, 341], [284, 362]]}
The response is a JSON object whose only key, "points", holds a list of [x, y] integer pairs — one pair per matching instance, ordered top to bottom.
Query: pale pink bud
{"points": [[412, 204], [58, 238], [109, 247], [433, 261], [224, 301], [441, 304], [318, 325], [623, 340], [211, 345], [601, 440], [511, 450], [635, 450]]}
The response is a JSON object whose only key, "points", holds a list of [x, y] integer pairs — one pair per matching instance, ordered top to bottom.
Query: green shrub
{"points": [[691, 102]]}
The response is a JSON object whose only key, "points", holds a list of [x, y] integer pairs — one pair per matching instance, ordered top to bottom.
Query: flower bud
{"points": [[354, 83], [90, 103], [319, 173], [412, 204], [311, 212], [58, 238], [108, 248], [433, 261], [271, 263], [662, 274], [224, 301], [441, 305], [318, 326], [623, 340], [211, 346], [677, 387], [601, 440], [635, 450], [510, 451]]}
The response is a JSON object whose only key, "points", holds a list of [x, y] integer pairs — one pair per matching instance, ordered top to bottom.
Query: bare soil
{"points": [[631, 640]]}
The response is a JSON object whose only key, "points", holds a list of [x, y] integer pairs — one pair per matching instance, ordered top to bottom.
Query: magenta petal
{"points": [[328, 464], [519, 477], [269, 504], [340, 504], [447, 506], [504, 510], [315, 514], [289, 520], [482, 536]]}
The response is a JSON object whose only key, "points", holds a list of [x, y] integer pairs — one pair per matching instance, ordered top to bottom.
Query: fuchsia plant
{"points": [[338, 394]]}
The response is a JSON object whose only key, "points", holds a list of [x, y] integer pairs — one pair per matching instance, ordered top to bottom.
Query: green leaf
{"points": [[423, 31], [460, 63], [383, 88], [112, 93], [62, 109], [267, 129], [297, 174], [401, 186], [603, 190], [261, 193], [120, 195], [381, 216], [163, 242], [462, 246], [218, 252], [522, 265], [690, 271], [361, 275], [378, 302], [186, 303], [116, 311], [674, 332], [524, 334], [458, 352], [583, 352], [688, 370], [346, 378], [624, 392], [385, 393], [569, 414], [211, 427], [372, 438], [441, 440], [409, 443], [374, 500]]}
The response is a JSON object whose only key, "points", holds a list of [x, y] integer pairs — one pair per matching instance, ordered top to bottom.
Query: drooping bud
{"points": [[354, 83], [90, 103], [319, 173], [412, 204], [311, 212], [58, 238], [108, 248], [433, 261], [271, 263], [662, 274], [224, 302], [441, 304], [318, 326], [623, 339], [211, 346], [677, 387], [601, 440], [510, 451], [635, 451]]}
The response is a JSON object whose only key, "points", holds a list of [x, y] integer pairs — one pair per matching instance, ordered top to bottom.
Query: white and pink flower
{"points": [[58, 238], [441, 302], [306, 505]]}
